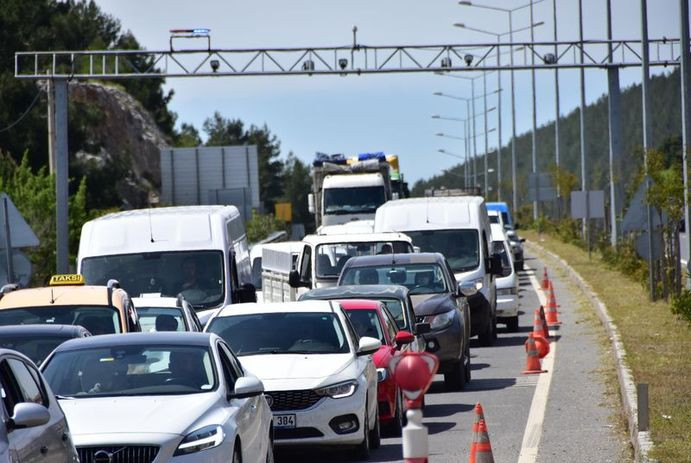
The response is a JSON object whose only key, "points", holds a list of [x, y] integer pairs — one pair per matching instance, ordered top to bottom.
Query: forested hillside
{"points": [[666, 122]]}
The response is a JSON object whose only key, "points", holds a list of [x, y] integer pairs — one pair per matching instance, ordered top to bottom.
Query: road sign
{"points": [[596, 201], [21, 234], [21, 269]]}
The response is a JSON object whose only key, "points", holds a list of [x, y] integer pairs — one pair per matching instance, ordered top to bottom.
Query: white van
{"points": [[459, 228], [200, 252]]}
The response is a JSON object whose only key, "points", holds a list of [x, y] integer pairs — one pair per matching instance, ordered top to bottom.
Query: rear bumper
{"points": [[507, 306]]}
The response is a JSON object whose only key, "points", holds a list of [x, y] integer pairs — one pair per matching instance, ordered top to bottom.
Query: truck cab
{"points": [[352, 197]]}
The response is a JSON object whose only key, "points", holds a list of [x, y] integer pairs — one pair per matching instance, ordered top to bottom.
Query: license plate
{"points": [[284, 421]]}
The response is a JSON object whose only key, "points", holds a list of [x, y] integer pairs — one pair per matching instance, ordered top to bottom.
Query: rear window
{"points": [[96, 319]]}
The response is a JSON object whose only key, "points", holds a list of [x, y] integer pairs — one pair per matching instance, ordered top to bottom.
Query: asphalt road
{"points": [[571, 417]]}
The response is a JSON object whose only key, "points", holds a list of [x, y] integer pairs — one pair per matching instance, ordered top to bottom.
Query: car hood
{"points": [[430, 304], [296, 371], [141, 414]]}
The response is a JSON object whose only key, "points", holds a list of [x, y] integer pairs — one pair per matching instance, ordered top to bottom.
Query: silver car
{"points": [[159, 397], [32, 425]]}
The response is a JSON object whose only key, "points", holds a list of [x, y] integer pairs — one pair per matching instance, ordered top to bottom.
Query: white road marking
{"points": [[533, 428]]}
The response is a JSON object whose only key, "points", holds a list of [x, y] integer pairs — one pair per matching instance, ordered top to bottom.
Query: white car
{"points": [[507, 282], [158, 313], [320, 378], [160, 397]]}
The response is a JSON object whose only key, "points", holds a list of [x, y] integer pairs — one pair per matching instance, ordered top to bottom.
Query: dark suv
{"points": [[437, 300]]}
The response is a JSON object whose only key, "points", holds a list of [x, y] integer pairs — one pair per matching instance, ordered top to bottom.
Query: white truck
{"points": [[344, 190], [291, 268]]}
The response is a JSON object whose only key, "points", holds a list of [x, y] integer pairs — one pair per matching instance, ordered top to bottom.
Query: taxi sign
{"points": [[67, 279]]}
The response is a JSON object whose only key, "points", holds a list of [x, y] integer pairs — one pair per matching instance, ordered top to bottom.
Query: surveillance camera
{"points": [[549, 58], [468, 59], [446, 62], [342, 63], [214, 64], [308, 65]]}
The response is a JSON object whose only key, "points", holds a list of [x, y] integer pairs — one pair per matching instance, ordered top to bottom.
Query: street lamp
{"points": [[510, 12]]}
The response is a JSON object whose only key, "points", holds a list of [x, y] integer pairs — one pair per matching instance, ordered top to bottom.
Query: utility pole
{"points": [[50, 92], [472, 92], [484, 100], [556, 106], [614, 108], [499, 114], [686, 123], [647, 138], [61, 175], [584, 181], [536, 202]]}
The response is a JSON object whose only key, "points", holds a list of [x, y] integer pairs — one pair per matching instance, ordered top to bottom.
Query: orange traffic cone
{"points": [[545, 279], [551, 314], [545, 328], [542, 346], [532, 363], [479, 416], [483, 452]]}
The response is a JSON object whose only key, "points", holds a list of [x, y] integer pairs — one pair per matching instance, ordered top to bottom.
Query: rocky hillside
{"points": [[123, 135]]}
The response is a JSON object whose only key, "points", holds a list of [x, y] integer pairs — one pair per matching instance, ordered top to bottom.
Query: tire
{"points": [[519, 265], [512, 324], [489, 334], [468, 369], [454, 380], [395, 427], [375, 434], [362, 450], [237, 454]]}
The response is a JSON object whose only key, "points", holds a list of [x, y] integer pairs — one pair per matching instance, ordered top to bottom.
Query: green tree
{"points": [[222, 131], [297, 185]]}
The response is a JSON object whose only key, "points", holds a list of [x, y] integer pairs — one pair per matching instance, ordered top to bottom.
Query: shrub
{"points": [[681, 305]]}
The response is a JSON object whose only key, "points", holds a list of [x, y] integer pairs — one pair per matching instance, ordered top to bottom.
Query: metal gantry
{"points": [[354, 59]]}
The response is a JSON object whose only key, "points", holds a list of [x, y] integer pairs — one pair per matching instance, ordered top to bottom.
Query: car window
{"points": [[419, 278], [395, 308], [161, 319], [366, 323], [389, 323], [229, 372], [27, 382]]}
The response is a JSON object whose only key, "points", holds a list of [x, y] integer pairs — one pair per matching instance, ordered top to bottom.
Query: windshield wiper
{"points": [[64, 397]]}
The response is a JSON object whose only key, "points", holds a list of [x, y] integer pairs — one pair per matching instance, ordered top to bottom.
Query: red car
{"points": [[371, 318]]}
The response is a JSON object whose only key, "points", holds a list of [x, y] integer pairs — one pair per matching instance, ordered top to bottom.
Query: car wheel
{"points": [[519, 265], [512, 324], [488, 335], [468, 373], [454, 380], [394, 428], [375, 434], [361, 452], [237, 454]]}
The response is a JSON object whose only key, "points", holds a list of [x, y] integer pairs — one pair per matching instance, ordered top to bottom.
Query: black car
{"points": [[396, 298], [437, 300], [37, 341]]}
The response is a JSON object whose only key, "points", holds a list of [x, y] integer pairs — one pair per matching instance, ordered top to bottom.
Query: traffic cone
{"points": [[545, 279], [551, 314], [545, 328], [542, 346], [532, 363], [479, 416], [483, 448]]}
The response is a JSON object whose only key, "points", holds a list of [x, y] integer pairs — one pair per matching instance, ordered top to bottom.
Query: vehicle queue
{"points": [[138, 381]]}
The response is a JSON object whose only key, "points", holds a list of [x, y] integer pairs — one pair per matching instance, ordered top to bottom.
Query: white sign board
{"points": [[596, 201]]}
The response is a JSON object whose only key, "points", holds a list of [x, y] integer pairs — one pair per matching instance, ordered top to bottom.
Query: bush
{"points": [[681, 305]]}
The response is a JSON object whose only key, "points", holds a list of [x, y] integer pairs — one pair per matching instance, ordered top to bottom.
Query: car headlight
{"points": [[479, 284], [440, 321], [382, 374], [339, 390], [204, 438]]}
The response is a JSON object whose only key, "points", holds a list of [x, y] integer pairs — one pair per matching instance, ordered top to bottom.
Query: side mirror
{"points": [[310, 203], [522, 240], [416, 249], [494, 265], [506, 271], [294, 279], [467, 288], [247, 293], [422, 328], [403, 337], [368, 345], [247, 386], [29, 415]]}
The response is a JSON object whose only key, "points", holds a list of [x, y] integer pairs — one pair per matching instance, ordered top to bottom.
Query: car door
{"points": [[366, 368], [21, 382], [248, 419]]}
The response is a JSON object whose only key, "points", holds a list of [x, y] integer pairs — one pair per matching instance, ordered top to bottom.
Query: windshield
{"points": [[356, 200], [494, 219], [460, 247], [332, 257], [197, 275], [419, 278], [96, 319], [161, 319], [366, 323], [282, 333], [35, 346], [130, 370]]}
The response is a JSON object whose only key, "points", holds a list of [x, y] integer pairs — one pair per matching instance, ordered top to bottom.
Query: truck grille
{"points": [[291, 400], [118, 454]]}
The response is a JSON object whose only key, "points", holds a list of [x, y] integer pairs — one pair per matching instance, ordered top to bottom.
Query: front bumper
{"points": [[507, 306], [446, 344], [386, 397], [312, 424]]}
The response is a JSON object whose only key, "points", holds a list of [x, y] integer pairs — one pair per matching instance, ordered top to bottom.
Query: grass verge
{"points": [[657, 343]]}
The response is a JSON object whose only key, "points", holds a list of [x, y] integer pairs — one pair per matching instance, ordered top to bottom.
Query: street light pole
{"points": [[472, 92], [484, 102], [556, 106], [614, 108], [499, 115], [686, 123], [584, 182], [514, 193], [536, 203]]}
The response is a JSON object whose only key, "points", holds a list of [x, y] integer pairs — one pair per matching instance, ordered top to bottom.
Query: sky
{"points": [[384, 112]]}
